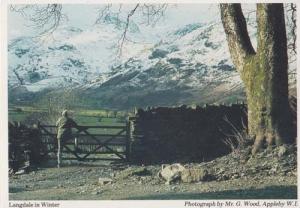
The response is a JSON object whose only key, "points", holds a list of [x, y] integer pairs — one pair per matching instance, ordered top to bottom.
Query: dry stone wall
{"points": [[184, 134]]}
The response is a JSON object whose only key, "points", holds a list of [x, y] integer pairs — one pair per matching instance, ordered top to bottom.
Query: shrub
{"points": [[239, 139]]}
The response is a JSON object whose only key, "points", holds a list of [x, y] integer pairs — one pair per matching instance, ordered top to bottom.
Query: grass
{"points": [[17, 116], [83, 117], [97, 121]]}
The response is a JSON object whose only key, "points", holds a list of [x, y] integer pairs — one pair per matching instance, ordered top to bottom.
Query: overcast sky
{"points": [[84, 16]]}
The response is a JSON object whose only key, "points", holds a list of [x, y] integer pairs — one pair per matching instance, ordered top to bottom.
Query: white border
{"points": [[143, 1], [4, 107]]}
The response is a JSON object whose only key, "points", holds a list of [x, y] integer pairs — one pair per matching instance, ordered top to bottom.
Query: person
{"points": [[64, 132]]}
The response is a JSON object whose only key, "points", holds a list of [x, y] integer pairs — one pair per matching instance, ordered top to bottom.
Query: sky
{"points": [[84, 16]]}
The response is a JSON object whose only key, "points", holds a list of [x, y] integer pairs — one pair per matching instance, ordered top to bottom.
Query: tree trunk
{"points": [[264, 72]]}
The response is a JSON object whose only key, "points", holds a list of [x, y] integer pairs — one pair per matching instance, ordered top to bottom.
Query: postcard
{"points": [[150, 104]]}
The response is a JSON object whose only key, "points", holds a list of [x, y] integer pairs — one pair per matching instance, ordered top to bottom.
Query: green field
{"points": [[30, 115], [17, 116]]}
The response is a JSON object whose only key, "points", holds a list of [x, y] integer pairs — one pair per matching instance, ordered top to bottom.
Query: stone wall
{"points": [[184, 134], [25, 146]]}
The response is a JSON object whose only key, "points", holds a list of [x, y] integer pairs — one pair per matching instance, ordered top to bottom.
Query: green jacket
{"points": [[64, 127]]}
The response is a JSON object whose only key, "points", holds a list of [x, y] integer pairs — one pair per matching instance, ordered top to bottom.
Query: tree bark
{"points": [[238, 39], [264, 72]]}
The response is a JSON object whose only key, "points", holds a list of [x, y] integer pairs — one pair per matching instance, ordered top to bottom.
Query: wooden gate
{"points": [[90, 142]]}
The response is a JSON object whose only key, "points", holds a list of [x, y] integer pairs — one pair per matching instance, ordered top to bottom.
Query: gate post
{"points": [[128, 138]]}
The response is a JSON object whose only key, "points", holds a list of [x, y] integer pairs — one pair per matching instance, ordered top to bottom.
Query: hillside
{"points": [[191, 65]]}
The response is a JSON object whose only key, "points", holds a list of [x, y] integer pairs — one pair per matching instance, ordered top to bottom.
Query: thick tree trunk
{"points": [[264, 72]]}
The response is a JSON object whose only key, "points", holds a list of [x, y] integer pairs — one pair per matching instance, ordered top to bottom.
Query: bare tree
{"points": [[150, 13], [44, 17], [293, 26], [123, 37], [264, 71], [20, 79], [56, 103]]}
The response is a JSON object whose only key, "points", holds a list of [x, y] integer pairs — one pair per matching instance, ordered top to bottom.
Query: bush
{"points": [[239, 140]]}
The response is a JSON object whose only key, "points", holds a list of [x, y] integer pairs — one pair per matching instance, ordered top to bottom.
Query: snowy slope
{"points": [[69, 57], [189, 65]]}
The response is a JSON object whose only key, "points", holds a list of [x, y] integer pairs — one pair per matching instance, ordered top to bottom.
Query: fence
{"points": [[88, 142]]}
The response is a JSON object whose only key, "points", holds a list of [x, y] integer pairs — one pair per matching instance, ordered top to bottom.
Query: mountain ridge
{"points": [[191, 65]]}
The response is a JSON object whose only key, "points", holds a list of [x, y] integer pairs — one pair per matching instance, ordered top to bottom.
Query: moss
{"points": [[264, 73]]}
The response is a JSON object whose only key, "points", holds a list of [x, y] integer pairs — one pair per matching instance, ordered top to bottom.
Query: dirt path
{"points": [[79, 182]]}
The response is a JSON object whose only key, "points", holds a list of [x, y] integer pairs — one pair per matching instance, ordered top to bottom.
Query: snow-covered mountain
{"points": [[69, 57], [190, 65]]}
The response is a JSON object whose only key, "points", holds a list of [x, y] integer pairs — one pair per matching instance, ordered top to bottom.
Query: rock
{"points": [[282, 151], [273, 170], [11, 171], [140, 171], [221, 171], [20, 172], [171, 173], [194, 175], [235, 176], [225, 177], [103, 181], [167, 182], [183, 190], [96, 192]]}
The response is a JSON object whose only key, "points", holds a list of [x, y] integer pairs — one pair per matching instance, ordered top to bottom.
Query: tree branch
{"points": [[103, 13], [44, 17], [294, 27], [123, 37], [238, 39], [20, 79]]}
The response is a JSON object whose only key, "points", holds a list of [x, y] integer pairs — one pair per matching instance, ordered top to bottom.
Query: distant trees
{"points": [[264, 71], [56, 103]]}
